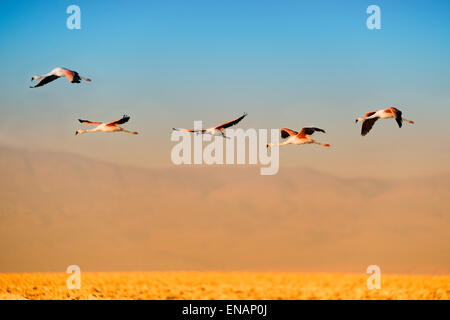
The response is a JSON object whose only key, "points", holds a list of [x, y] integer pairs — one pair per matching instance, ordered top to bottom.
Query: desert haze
{"points": [[60, 209]]}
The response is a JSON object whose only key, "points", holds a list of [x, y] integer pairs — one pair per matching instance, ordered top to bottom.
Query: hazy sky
{"points": [[286, 63]]}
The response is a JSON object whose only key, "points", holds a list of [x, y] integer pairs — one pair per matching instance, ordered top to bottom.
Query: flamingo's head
{"points": [[35, 77], [359, 119], [80, 131]]}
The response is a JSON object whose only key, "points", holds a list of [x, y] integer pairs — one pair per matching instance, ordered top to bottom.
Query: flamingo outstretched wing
{"points": [[45, 80], [398, 118], [124, 119], [89, 122], [231, 123], [367, 125], [190, 130], [307, 131], [285, 133]]}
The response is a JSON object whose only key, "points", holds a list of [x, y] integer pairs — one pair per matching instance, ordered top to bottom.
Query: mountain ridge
{"points": [[59, 209]]}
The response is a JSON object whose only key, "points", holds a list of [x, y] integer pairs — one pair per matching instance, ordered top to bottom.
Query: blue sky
{"points": [[286, 63]]}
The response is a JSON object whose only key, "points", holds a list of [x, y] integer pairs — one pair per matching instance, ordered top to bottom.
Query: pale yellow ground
{"points": [[222, 285]]}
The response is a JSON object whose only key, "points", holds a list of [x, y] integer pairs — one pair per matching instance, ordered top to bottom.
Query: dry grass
{"points": [[221, 285]]}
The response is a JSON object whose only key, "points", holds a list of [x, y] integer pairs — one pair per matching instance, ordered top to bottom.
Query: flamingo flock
{"points": [[291, 137]]}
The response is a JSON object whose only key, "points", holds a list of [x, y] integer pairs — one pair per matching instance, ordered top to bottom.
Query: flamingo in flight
{"points": [[56, 73], [371, 117], [112, 126], [218, 130], [298, 138]]}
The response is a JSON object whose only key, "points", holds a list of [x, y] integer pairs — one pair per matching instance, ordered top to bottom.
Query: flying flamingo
{"points": [[56, 73], [371, 117], [112, 126], [215, 131], [298, 138]]}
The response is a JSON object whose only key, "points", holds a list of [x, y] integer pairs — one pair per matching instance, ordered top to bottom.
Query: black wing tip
{"points": [[242, 117], [125, 118], [81, 121], [314, 129]]}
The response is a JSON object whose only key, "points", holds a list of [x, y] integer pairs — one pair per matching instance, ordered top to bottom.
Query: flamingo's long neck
{"points": [[87, 130], [279, 144]]}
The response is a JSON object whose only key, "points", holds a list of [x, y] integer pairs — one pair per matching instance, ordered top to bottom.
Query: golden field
{"points": [[221, 285]]}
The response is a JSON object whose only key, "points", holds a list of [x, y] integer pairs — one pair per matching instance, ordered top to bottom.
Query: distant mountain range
{"points": [[59, 209]]}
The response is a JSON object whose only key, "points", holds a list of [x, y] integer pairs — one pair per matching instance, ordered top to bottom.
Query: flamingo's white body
{"points": [[56, 73], [371, 117], [112, 126], [215, 131], [299, 138]]}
